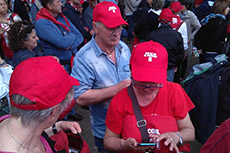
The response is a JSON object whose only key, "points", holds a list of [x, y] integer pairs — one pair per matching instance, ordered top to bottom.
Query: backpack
{"points": [[202, 34], [67, 142]]}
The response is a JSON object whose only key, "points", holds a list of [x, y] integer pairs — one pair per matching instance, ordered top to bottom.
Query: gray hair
{"points": [[158, 4], [32, 118]]}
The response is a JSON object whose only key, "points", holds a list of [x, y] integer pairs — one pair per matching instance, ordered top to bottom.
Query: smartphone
{"points": [[147, 144], [157, 144]]}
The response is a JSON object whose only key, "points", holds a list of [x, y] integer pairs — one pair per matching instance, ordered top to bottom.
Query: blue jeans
{"points": [[130, 21], [170, 74], [100, 145]]}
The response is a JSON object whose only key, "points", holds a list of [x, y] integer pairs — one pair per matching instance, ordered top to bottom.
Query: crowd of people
{"points": [[55, 54]]}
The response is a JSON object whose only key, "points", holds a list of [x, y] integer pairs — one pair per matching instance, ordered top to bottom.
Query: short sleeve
{"points": [[182, 104], [115, 115]]}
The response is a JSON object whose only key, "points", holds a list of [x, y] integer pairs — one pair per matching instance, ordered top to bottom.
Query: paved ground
{"points": [[85, 123]]}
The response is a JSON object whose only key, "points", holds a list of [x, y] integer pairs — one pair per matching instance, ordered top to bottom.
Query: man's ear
{"points": [[49, 6], [95, 27]]}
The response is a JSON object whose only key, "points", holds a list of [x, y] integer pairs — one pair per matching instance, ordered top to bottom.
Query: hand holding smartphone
{"points": [[146, 144], [157, 145]]}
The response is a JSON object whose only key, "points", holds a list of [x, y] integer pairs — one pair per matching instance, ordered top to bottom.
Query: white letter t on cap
{"points": [[113, 8], [150, 56]]}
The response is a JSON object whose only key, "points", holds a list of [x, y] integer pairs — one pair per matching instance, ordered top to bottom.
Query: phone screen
{"points": [[146, 144]]}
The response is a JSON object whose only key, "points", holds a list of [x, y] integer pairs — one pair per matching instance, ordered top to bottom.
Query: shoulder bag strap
{"points": [[178, 27], [141, 122]]}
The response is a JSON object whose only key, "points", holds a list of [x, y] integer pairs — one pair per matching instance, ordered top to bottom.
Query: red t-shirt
{"points": [[171, 103]]}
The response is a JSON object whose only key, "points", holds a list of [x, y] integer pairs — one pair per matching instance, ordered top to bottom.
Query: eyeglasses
{"points": [[114, 30], [139, 86]]}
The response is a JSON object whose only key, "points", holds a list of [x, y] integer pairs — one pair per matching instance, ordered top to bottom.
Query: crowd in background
{"points": [[95, 47]]}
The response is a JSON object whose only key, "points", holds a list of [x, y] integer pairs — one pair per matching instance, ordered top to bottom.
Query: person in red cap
{"points": [[177, 23], [193, 25], [181, 27], [171, 40], [102, 67], [40, 89], [164, 106]]}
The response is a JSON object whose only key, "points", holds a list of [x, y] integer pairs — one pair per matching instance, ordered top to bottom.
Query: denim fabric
{"points": [[94, 70], [170, 74], [100, 146]]}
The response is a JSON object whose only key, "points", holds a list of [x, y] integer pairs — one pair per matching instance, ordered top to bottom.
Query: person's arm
{"points": [[135, 3], [87, 19], [76, 21], [195, 25], [49, 32], [184, 34], [78, 36], [93, 96], [74, 127], [186, 131], [113, 142]]}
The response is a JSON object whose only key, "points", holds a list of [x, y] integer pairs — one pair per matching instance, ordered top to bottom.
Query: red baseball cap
{"points": [[176, 7], [109, 14], [166, 15], [149, 62], [42, 80]]}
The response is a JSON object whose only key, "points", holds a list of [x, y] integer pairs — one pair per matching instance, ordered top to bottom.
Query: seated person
{"points": [[23, 41], [5, 73], [40, 89], [164, 106]]}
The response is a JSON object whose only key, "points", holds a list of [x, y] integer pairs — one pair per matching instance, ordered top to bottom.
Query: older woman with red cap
{"points": [[40, 89], [164, 107]]}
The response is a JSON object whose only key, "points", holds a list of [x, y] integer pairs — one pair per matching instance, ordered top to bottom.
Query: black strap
{"points": [[179, 25], [141, 122]]}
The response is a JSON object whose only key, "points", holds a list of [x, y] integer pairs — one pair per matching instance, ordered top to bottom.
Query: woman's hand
{"points": [[74, 127], [170, 139], [131, 144]]}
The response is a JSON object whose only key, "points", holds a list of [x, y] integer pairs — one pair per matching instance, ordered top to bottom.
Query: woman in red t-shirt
{"points": [[164, 106]]}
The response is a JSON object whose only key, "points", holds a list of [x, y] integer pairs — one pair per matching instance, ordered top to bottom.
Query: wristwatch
{"points": [[54, 128], [180, 138]]}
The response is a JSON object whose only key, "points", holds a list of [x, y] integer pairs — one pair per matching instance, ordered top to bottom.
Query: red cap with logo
{"points": [[176, 7], [109, 14], [166, 15], [149, 62], [42, 80]]}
